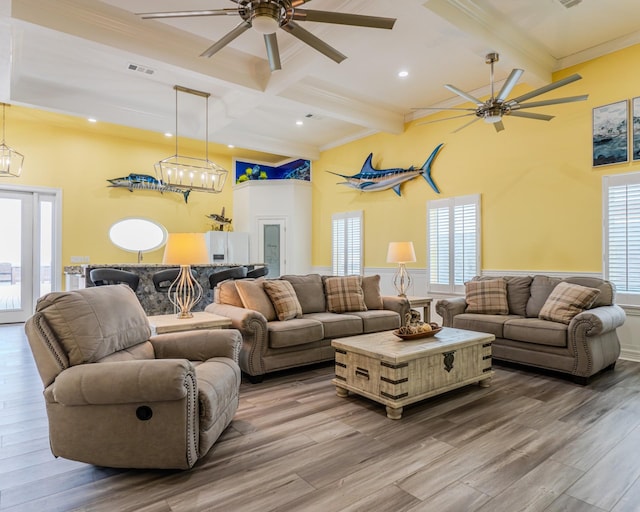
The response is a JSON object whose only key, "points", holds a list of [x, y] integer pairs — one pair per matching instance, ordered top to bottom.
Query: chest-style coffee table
{"points": [[396, 373]]}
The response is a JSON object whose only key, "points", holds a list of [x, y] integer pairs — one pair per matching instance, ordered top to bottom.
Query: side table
{"points": [[424, 303], [161, 324]]}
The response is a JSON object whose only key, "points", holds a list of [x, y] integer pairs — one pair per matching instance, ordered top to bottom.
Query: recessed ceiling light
{"points": [[403, 74], [92, 120], [299, 123], [167, 134], [230, 146]]}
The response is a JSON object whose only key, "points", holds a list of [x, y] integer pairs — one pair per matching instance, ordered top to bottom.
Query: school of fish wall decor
{"points": [[294, 170], [370, 179]]}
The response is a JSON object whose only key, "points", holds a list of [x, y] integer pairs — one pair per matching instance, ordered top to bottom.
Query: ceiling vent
{"points": [[569, 3], [142, 69]]}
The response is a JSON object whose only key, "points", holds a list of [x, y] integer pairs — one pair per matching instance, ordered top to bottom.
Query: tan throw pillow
{"points": [[371, 289], [227, 293], [344, 294], [254, 297], [488, 297], [283, 298], [566, 301]]}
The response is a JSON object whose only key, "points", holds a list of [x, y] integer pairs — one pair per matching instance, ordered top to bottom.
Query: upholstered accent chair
{"points": [[117, 396]]}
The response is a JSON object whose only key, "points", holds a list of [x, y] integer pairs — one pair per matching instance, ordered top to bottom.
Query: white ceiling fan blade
{"points": [[186, 14], [342, 18], [317, 44], [219, 45], [273, 54], [509, 84], [546, 88], [463, 94], [555, 101], [444, 108], [531, 115], [444, 119], [465, 125], [498, 126]]}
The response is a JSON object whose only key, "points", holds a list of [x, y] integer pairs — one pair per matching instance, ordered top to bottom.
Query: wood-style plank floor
{"points": [[529, 442]]}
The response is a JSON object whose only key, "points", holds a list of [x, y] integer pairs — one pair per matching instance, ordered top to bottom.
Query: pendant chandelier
{"points": [[10, 160], [187, 172]]}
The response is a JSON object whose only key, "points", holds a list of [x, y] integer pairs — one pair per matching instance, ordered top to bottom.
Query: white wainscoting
{"points": [[629, 333]]}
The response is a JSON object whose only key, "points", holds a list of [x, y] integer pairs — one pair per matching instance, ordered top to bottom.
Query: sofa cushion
{"points": [[541, 288], [371, 289], [607, 289], [518, 291], [310, 292], [227, 293], [344, 294], [487, 296], [254, 297], [283, 297], [566, 301], [376, 320], [492, 324], [338, 325], [298, 331], [536, 331], [95, 336]]}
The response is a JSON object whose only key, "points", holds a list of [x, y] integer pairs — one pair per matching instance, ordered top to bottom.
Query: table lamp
{"points": [[185, 249], [401, 253]]}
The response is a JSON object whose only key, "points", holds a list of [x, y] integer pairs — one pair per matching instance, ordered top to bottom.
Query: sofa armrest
{"points": [[398, 304], [449, 308], [596, 321], [253, 328], [198, 345], [122, 382]]}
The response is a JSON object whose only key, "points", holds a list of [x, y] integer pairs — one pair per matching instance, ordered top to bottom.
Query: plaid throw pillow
{"points": [[344, 294], [487, 296], [284, 299], [566, 301]]}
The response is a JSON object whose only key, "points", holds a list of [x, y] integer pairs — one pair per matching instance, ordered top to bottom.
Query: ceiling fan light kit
{"points": [[266, 16], [497, 106]]}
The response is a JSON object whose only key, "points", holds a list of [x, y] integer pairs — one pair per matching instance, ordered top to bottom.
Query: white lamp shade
{"points": [[185, 249], [401, 252]]}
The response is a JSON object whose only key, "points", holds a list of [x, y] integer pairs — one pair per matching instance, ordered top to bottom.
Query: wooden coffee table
{"points": [[382, 367]]}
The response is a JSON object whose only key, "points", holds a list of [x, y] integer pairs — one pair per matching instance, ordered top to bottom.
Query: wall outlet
{"points": [[79, 259]]}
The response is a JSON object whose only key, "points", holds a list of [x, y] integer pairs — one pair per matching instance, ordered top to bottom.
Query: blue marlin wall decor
{"points": [[370, 179], [147, 182]]}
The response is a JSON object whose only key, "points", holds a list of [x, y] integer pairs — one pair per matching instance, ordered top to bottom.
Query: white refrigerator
{"points": [[228, 247]]}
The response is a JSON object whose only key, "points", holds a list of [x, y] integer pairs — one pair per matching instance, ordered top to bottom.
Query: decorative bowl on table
{"points": [[406, 334]]}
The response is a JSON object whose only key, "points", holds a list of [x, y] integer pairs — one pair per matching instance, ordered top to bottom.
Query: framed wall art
{"points": [[635, 128], [611, 133], [292, 170]]}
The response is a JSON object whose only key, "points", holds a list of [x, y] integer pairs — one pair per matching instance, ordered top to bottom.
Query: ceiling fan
{"points": [[265, 16], [498, 106]]}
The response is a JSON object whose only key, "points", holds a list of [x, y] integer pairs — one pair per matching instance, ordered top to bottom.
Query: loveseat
{"points": [[290, 321], [566, 325]]}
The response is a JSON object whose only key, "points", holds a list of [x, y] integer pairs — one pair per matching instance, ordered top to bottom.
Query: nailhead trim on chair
{"points": [[45, 331], [192, 397]]}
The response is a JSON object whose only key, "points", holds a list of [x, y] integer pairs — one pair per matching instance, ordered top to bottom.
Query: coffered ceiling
{"points": [[99, 59]]}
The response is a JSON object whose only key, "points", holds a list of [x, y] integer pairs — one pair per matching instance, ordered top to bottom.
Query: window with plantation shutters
{"points": [[621, 235], [346, 242], [453, 242]]}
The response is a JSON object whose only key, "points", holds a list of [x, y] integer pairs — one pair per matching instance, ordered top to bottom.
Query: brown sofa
{"points": [[270, 344], [580, 346], [117, 396]]}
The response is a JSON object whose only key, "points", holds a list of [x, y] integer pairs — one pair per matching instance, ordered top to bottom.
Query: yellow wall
{"points": [[541, 197]]}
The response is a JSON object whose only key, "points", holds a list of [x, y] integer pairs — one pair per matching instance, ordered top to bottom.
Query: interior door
{"points": [[271, 243], [29, 251]]}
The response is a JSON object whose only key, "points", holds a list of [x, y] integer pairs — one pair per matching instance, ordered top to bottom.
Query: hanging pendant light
{"points": [[10, 160], [192, 173]]}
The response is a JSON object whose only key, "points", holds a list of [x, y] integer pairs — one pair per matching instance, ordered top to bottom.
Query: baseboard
{"points": [[630, 355]]}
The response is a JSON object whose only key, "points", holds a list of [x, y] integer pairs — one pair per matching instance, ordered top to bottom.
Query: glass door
{"points": [[272, 246], [28, 252]]}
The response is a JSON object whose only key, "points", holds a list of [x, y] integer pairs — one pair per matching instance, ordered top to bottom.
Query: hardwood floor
{"points": [[529, 442]]}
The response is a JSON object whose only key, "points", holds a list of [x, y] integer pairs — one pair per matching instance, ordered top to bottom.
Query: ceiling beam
{"points": [[479, 20]]}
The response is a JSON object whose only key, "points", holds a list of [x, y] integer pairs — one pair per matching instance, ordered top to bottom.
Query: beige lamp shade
{"points": [[185, 249], [401, 252]]}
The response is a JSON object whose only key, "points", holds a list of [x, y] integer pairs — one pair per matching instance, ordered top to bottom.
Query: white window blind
{"points": [[621, 233], [453, 242], [347, 243]]}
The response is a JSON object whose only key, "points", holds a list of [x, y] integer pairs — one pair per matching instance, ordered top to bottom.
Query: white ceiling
{"points": [[73, 56]]}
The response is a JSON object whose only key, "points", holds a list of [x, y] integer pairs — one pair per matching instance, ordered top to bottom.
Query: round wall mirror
{"points": [[138, 235]]}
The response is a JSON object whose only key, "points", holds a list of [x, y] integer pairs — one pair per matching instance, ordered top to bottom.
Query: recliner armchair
{"points": [[117, 396]]}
